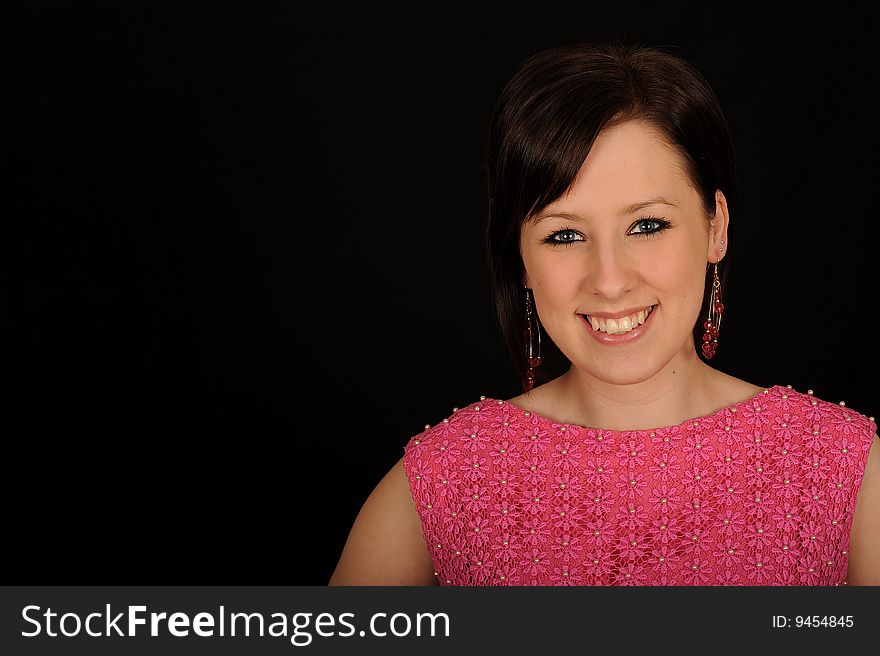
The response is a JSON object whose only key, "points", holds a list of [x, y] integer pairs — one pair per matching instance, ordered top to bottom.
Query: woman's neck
{"points": [[684, 389]]}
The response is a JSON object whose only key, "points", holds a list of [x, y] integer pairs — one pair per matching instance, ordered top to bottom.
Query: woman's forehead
{"points": [[630, 159], [629, 165]]}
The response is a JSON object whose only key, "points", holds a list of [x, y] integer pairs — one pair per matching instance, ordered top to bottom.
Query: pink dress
{"points": [[759, 493]]}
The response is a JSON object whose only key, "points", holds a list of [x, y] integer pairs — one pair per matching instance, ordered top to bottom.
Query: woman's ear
{"points": [[718, 242]]}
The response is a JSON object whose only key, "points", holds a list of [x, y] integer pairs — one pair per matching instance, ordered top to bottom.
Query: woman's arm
{"points": [[386, 545], [864, 550]]}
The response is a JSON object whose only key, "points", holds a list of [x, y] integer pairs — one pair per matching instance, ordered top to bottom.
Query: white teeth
{"points": [[622, 325]]}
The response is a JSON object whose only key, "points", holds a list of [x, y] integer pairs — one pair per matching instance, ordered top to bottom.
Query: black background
{"points": [[243, 260]]}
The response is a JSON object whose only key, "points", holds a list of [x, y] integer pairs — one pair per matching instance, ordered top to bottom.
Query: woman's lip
{"points": [[618, 315], [625, 338]]}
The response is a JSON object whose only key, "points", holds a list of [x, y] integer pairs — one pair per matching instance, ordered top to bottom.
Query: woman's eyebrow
{"points": [[635, 207], [629, 209], [571, 216]]}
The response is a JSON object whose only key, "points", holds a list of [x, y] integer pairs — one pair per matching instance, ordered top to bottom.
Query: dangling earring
{"points": [[713, 323], [532, 359]]}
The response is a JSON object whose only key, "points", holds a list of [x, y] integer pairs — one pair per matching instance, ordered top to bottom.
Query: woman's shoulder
{"points": [[819, 408], [472, 421], [830, 429], [445, 438]]}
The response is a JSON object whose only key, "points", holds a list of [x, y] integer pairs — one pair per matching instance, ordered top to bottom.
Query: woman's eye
{"points": [[644, 227], [648, 227], [563, 237]]}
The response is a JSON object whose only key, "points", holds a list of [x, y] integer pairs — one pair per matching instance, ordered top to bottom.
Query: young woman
{"points": [[611, 181]]}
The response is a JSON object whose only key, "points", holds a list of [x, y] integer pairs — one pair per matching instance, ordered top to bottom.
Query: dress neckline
{"points": [[515, 409]]}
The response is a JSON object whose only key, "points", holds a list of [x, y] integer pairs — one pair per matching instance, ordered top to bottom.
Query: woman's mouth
{"points": [[620, 326], [622, 330]]}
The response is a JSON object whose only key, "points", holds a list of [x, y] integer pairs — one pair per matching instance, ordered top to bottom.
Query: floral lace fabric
{"points": [[759, 493]]}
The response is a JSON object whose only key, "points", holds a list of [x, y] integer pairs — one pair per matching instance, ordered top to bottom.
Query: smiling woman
{"points": [[594, 257], [633, 462]]}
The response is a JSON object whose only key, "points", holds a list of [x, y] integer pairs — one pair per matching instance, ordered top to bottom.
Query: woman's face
{"points": [[631, 233]]}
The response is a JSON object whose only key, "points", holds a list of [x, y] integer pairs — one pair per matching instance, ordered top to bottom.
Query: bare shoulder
{"points": [[734, 390], [543, 400], [386, 544], [864, 550]]}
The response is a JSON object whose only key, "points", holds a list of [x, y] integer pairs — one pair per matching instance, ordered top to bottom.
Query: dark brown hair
{"points": [[544, 124]]}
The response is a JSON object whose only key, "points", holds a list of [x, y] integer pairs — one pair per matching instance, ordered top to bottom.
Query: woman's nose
{"points": [[611, 273]]}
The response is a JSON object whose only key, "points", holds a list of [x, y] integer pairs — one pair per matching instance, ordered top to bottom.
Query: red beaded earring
{"points": [[713, 323], [532, 359]]}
